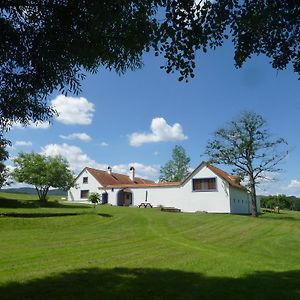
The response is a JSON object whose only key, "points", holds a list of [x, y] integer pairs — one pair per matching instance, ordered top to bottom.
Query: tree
{"points": [[48, 45], [246, 144], [177, 168], [4, 172], [43, 172], [94, 198], [279, 201]]}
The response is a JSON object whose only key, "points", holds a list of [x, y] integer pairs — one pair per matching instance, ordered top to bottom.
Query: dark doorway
{"points": [[124, 197], [104, 198]]}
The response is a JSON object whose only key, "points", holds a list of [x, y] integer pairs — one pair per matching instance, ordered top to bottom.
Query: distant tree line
{"points": [[280, 201]]}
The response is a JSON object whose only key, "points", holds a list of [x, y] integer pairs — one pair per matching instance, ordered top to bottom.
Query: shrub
{"points": [[94, 198]]}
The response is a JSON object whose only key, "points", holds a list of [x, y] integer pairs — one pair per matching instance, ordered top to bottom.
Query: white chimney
{"points": [[109, 170], [132, 171]]}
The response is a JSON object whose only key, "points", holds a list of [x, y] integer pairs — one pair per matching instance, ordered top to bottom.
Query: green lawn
{"points": [[69, 251]]}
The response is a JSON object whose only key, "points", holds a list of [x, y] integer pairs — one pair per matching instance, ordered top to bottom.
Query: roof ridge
{"points": [[213, 166], [106, 179]]}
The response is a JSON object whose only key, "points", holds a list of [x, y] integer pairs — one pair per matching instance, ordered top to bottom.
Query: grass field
{"points": [[73, 251]]}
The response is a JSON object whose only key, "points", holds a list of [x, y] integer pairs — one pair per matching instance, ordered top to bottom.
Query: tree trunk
{"points": [[42, 193], [253, 198]]}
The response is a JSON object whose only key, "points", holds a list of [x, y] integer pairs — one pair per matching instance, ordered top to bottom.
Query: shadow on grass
{"points": [[16, 203], [37, 215], [45, 215], [105, 215], [282, 216], [133, 284]]}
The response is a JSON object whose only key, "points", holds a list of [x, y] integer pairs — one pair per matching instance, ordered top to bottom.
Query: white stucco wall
{"points": [[92, 186], [183, 197], [223, 200], [239, 201]]}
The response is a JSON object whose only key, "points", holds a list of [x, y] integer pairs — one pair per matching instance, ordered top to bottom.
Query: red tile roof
{"points": [[115, 179], [233, 180], [141, 185]]}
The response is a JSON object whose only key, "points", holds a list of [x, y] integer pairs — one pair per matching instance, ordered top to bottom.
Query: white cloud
{"points": [[73, 110], [32, 125], [161, 131], [77, 136], [23, 143], [103, 144], [10, 148], [78, 160], [10, 167], [141, 170], [12, 183], [294, 184], [17, 185], [279, 187], [293, 188]]}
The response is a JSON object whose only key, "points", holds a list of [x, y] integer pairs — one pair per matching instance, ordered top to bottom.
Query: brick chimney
{"points": [[109, 170], [132, 173]]}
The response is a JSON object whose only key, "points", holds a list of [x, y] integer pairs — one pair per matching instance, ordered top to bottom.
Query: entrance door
{"points": [[104, 198], [124, 198], [127, 198]]}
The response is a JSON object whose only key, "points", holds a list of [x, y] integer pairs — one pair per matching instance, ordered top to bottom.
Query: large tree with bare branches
{"points": [[247, 145]]}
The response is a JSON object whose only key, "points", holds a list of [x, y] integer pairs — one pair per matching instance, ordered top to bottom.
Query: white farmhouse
{"points": [[207, 189]]}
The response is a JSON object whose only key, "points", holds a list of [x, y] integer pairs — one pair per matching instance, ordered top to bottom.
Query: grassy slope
{"points": [[75, 251]]}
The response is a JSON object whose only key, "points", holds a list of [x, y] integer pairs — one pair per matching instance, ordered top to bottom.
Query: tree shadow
{"points": [[16, 203], [37, 215], [45, 215], [105, 215], [282, 216], [149, 284]]}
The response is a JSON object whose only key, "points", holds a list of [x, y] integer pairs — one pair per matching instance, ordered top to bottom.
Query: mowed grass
{"points": [[73, 251]]}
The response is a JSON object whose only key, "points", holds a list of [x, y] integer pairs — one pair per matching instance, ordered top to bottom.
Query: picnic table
{"points": [[145, 205]]}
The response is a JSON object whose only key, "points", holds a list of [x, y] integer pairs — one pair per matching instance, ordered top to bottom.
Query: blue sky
{"points": [[111, 125]]}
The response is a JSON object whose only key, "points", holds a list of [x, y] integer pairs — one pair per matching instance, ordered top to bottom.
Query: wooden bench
{"points": [[170, 209]]}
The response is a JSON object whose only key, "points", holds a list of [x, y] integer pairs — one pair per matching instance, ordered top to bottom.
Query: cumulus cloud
{"points": [[73, 110], [32, 125], [161, 131], [77, 136], [23, 143], [103, 144], [75, 156], [79, 160], [141, 170], [12, 182], [294, 184], [293, 188]]}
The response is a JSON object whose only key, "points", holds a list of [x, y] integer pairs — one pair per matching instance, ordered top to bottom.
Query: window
{"points": [[85, 180], [204, 184], [84, 194]]}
